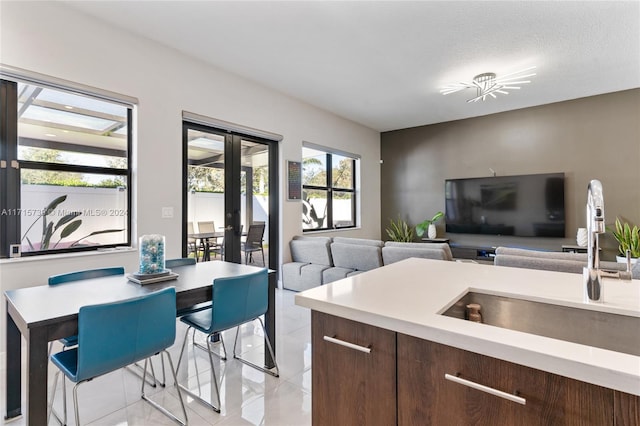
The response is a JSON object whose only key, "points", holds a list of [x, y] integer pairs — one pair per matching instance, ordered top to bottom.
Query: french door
{"points": [[230, 183]]}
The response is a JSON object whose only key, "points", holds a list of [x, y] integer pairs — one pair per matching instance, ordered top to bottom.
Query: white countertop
{"points": [[408, 297]]}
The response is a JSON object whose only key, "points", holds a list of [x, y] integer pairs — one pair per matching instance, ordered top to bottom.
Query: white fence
{"points": [[100, 208]]}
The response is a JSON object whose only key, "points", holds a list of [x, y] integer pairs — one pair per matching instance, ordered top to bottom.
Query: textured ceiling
{"points": [[382, 64]]}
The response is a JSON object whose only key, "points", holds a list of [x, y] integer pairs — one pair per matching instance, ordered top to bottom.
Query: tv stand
{"points": [[479, 253]]}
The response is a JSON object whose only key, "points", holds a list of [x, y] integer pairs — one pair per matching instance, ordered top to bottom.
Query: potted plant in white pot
{"points": [[429, 225], [628, 238]]}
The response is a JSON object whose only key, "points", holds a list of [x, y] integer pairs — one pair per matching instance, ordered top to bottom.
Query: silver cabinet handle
{"points": [[347, 344], [486, 389]]}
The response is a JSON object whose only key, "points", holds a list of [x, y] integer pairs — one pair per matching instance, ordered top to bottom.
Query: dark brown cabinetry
{"points": [[353, 373], [402, 381], [426, 397], [626, 409]]}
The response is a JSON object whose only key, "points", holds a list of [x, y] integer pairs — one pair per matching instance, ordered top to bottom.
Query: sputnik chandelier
{"points": [[488, 84]]}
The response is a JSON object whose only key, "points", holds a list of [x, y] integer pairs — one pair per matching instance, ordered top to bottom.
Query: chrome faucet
{"points": [[595, 226], [592, 274]]}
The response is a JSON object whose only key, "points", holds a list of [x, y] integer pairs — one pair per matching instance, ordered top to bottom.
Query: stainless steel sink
{"points": [[619, 333]]}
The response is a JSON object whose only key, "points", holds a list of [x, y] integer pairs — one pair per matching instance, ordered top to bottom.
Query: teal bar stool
{"points": [[181, 261], [186, 261], [77, 276], [236, 300], [114, 335]]}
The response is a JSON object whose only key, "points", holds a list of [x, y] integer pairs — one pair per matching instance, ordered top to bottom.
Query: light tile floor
{"points": [[249, 397]]}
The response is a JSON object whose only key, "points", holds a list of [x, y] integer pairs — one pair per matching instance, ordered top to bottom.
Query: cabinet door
{"points": [[349, 385], [425, 397], [627, 409]]}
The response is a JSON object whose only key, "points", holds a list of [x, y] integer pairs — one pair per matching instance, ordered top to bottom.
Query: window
{"points": [[66, 169], [328, 188]]}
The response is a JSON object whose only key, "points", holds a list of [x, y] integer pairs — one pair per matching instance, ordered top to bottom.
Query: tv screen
{"points": [[524, 205]]}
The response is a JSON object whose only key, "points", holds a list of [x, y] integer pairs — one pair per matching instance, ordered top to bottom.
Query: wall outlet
{"points": [[167, 212], [14, 250]]}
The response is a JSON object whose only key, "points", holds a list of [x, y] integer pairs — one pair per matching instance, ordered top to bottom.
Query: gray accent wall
{"points": [[589, 138]]}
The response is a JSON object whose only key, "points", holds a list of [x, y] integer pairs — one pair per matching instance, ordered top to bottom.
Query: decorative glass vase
{"points": [[152, 254]]}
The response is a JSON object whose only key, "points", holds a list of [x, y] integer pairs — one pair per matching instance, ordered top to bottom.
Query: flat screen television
{"points": [[523, 205]]}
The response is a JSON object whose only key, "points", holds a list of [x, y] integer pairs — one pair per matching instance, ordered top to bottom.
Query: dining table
{"points": [[206, 238], [45, 313]]}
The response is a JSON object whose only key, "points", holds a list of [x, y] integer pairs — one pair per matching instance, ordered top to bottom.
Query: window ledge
{"points": [[324, 231], [57, 256]]}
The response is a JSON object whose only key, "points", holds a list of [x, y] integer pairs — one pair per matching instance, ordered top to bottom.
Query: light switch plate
{"points": [[167, 212]]}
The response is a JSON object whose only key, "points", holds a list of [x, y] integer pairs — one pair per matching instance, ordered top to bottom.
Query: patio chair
{"points": [[253, 243]]}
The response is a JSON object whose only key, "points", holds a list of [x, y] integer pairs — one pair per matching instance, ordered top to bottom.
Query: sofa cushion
{"points": [[310, 238], [358, 241], [430, 246], [311, 251], [395, 254], [541, 254], [357, 257], [559, 265], [334, 274], [300, 276]]}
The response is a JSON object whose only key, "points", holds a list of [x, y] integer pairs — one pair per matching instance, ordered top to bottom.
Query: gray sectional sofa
{"points": [[321, 260], [552, 261]]}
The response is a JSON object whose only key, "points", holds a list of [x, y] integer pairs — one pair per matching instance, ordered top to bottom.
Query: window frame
{"points": [[11, 165], [330, 188]]}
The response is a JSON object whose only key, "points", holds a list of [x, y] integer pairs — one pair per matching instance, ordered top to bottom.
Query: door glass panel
{"points": [[254, 178], [205, 200]]}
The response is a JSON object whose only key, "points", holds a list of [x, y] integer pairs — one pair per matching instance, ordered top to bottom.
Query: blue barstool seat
{"points": [[186, 261], [77, 276], [236, 300], [114, 335]]}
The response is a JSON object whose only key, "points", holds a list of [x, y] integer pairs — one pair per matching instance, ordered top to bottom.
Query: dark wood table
{"points": [[45, 313]]}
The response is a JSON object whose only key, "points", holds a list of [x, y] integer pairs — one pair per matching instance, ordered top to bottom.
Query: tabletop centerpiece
{"points": [[152, 251]]}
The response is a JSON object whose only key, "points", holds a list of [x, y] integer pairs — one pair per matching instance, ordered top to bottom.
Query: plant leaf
{"points": [[52, 205], [67, 218], [70, 228], [421, 228], [104, 231], [47, 237]]}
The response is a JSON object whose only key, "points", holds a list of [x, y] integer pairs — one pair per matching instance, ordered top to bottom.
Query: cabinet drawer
{"points": [[353, 374], [426, 397]]}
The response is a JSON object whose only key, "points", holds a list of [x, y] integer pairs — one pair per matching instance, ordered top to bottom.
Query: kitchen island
{"points": [[402, 303]]}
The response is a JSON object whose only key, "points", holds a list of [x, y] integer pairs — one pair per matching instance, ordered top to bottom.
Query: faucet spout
{"points": [[595, 226]]}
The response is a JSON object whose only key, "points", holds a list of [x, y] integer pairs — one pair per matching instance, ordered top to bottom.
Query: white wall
{"points": [[49, 38]]}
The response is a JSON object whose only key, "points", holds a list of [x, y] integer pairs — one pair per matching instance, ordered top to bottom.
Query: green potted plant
{"points": [[429, 225], [400, 231], [628, 238]]}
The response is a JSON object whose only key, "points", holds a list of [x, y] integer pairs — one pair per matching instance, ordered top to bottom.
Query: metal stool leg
{"points": [[275, 373]]}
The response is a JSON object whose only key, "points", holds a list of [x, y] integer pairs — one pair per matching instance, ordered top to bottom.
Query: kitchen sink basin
{"points": [[619, 333]]}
